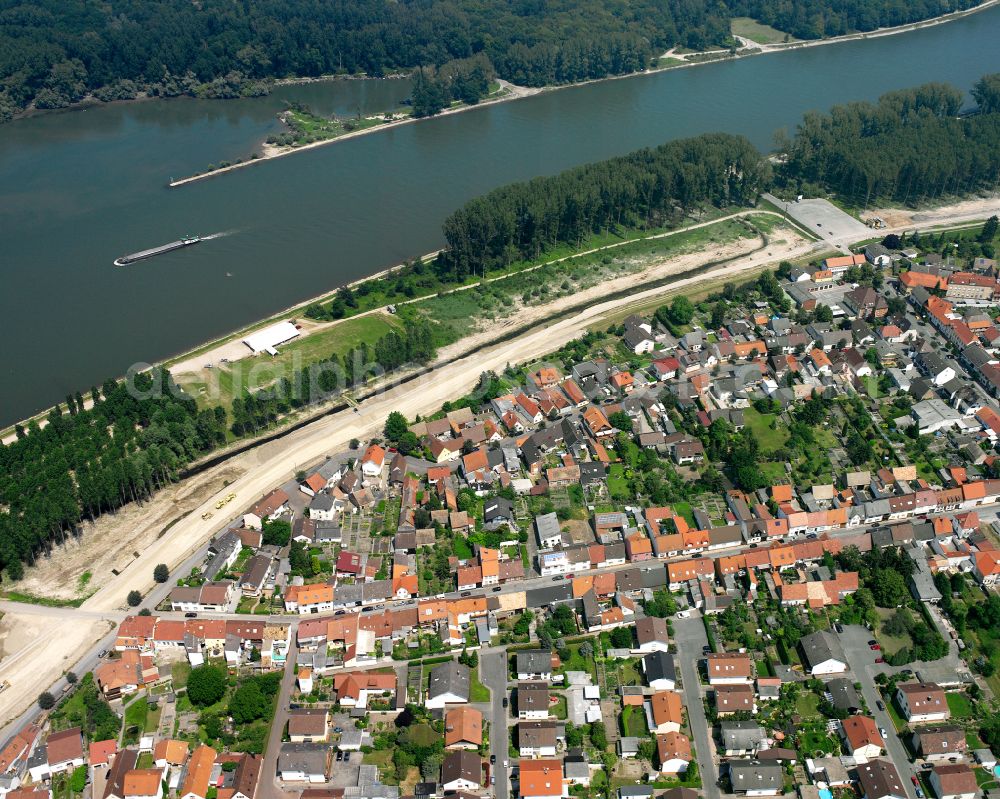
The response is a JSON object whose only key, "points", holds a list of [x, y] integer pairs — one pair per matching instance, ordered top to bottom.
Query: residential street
{"points": [[690, 636], [861, 660], [493, 674], [268, 787]]}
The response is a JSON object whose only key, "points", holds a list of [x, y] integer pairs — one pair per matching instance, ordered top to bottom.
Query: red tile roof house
{"points": [[372, 461], [268, 508], [349, 564], [728, 668], [731, 699], [922, 702], [863, 738], [939, 741], [65, 750], [673, 752], [100, 753], [954, 781]]}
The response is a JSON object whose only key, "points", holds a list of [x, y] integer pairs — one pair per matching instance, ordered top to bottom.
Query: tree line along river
{"points": [[80, 188]]}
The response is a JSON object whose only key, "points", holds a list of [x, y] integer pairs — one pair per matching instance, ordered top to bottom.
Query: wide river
{"points": [[78, 189]]}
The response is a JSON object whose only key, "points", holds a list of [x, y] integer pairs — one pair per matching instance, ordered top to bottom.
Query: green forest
{"points": [[805, 19], [56, 52], [908, 147], [650, 187], [100, 455]]}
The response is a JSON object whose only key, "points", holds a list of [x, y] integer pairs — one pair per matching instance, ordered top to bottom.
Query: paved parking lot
{"points": [[825, 220]]}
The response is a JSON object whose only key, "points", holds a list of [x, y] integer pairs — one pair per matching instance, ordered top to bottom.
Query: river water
{"points": [[78, 189]]}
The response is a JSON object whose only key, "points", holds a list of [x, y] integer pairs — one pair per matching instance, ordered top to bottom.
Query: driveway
{"points": [[690, 636], [861, 660]]}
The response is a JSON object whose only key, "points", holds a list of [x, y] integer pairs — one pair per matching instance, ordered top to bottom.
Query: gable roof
{"points": [[463, 725], [862, 731]]}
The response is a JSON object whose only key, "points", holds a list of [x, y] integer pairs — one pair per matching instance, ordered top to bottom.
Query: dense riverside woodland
{"points": [[56, 52], [909, 147], [644, 189], [94, 460], [90, 461]]}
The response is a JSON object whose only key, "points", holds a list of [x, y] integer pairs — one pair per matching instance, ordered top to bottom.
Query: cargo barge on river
{"points": [[187, 241]]}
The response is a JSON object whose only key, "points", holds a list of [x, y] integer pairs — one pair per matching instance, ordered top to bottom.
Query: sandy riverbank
{"points": [[269, 152], [900, 219]]}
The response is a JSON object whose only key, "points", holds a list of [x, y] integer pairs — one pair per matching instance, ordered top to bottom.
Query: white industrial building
{"points": [[269, 338]]}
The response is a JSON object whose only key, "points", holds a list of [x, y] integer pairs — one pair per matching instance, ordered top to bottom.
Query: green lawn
{"points": [[755, 31], [220, 384], [760, 424], [774, 471], [617, 485], [684, 509], [462, 549], [891, 643], [577, 662], [179, 672], [629, 673], [477, 691], [807, 705], [960, 705], [559, 708], [893, 711], [135, 720], [633, 721], [421, 735], [814, 741], [984, 779]]}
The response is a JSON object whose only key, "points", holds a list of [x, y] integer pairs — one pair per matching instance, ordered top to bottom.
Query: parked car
{"points": [[557, 579], [497, 590], [466, 593], [683, 614], [190, 615], [838, 627], [872, 642], [876, 647], [102, 653], [880, 660], [505, 702], [879, 704], [338, 729], [883, 733], [493, 759], [914, 780], [920, 793]]}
